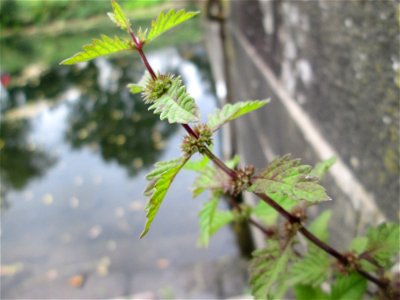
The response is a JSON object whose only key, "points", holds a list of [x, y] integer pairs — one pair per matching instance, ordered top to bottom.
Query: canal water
{"points": [[75, 147]]}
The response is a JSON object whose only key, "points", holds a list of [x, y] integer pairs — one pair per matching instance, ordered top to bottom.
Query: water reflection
{"points": [[116, 124], [20, 160], [81, 219]]}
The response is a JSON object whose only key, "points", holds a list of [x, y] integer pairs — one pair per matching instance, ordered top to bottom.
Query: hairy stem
{"points": [[286, 214]]}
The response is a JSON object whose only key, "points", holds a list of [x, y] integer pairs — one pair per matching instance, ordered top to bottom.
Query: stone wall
{"points": [[331, 69]]}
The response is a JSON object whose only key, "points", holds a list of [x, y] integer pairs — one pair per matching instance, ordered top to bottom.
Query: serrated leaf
{"points": [[118, 16], [167, 21], [99, 47], [176, 104], [230, 112], [322, 168], [285, 177], [161, 178], [212, 220], [319, 227], [383, 243], [267, 267], [312, 269], [346, 287], [307, 292]]}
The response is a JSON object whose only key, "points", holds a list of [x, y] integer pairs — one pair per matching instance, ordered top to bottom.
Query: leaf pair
{"points": [[107, 45]]}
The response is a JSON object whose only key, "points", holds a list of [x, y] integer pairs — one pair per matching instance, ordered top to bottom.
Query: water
{"points": [[75, 147]]}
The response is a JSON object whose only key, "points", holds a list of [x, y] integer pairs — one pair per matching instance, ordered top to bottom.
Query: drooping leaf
{"points": [[118, 16], [167, 21], [99, 47], [176, 104], [232, 111], [322, 167], [285, 177], [161, 178], [206, 219], [383, 243], [268, 269], [347, 287], [308, 292]]}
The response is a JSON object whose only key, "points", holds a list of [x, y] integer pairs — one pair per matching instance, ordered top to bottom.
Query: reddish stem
{"points": [[287, 215]]}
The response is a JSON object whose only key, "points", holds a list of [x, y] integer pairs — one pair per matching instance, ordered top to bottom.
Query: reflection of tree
{"points": [[116, 124], [20, 162]]}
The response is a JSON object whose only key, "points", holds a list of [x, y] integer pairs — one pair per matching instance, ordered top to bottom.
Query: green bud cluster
{"points": [[156, 88], [191, 145], [242, 182]]}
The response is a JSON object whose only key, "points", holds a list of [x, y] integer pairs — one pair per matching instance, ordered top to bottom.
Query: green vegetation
{"points": [[286, 188]]}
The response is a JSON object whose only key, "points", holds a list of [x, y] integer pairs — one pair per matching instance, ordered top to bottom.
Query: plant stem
{"points": [[139, 48], [287, 215], [268, 232]]}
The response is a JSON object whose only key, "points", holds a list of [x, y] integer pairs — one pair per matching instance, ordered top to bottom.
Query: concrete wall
{"points": [[330, 70]]}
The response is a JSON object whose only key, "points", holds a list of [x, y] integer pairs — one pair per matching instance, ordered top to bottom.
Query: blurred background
{"points": [[75, 147]]}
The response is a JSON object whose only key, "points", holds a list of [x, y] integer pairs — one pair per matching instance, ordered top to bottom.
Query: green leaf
{"points": [[119, 17], [165, 22], [99, 47], [139, 87], [135, 88], [176, 104], [232, 111], [233, 162], [197, 166], [322, 168], [285, 177], [161, 178], [212, 178], [205, 181], [265, 213], [221, 218], [206, 220], [212, 220], [319, 227], [383, 243], [359, 244], [268, 268], [312, 269], [349, 287], [307, 292]]}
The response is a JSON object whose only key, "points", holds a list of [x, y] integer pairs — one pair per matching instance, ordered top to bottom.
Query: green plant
{"points": [[285, 187]]}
